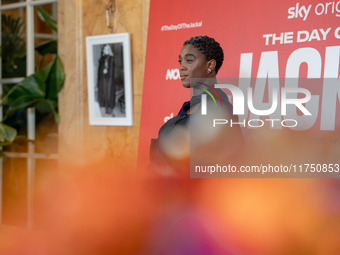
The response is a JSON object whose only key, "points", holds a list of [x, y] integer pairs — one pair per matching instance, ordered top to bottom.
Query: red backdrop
{"points": [[241, 26]]}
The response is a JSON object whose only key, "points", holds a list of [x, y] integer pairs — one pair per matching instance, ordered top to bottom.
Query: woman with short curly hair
{"points": [[200, 60]]}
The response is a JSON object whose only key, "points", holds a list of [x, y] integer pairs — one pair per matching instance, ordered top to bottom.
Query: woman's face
{"points": [[107, 50], [192, 65]]}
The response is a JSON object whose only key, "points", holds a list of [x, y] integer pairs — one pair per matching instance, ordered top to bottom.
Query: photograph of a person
{"points": [[109, 80], [110, 84]]}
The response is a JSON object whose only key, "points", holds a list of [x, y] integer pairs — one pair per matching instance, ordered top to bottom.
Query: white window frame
{"points": [[31, 155]]}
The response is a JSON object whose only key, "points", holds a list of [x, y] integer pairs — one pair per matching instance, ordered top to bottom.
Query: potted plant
{"points": [[39, 90]]}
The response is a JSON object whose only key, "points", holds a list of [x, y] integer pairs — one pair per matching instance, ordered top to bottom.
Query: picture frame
{"points": [[109, 84]]}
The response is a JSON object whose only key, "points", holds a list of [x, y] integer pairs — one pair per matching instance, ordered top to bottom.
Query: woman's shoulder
{"points": [[171, 123]]}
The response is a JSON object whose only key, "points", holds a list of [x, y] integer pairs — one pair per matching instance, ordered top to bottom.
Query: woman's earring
{"points": [[209, 71]]}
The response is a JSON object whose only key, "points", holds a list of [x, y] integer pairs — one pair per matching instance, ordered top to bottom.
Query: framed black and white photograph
{"points": [[108, 60]]}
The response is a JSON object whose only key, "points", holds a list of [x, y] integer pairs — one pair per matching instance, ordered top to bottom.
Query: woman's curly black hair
{"points": [[209, 48]]}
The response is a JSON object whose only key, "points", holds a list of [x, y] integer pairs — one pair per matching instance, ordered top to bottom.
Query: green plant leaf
{"points": [[47, 18], [50, 47], [43, 73], [55, 80], [34, 85], [31, 86], [38, 90], [16, 91], [24, 94], [24, 101], [44, 106], [48, 106], [7, 134]]}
